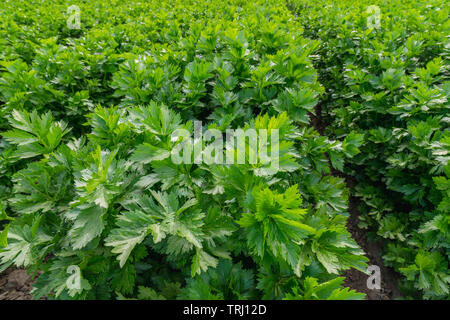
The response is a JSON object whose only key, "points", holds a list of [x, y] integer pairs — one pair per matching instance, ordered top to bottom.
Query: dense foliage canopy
{"points": [[92, 203]]}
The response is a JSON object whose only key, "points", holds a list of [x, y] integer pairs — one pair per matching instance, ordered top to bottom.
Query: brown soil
{"points": [[316, 119], [357, 280], [15, 284]]}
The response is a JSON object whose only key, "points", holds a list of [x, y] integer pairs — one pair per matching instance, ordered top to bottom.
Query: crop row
{"points": [[386, 74], [89, 193]]}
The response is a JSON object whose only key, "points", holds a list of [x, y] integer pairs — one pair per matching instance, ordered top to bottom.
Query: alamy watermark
{"points": [[74, 20], [374, 20], [374, 280], [73, 282]]}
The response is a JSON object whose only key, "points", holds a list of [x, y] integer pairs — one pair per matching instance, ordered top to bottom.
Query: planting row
{"points": [[386, 73], [90, 194]]}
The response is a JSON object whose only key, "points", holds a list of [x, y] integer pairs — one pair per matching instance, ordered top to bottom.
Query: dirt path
{"points": [[358, 280], [15, 284]]}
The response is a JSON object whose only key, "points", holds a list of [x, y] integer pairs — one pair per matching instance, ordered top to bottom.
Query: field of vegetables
{"points": [[93, 93]]}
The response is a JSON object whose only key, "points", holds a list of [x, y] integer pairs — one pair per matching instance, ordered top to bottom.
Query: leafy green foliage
{"points": [[387, 90], [34, 135], [89, 193], [330, 290]]}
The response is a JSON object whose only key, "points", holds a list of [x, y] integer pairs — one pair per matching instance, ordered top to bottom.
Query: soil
{"points": [[316, 119], [357, 280], [15, 284]]}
